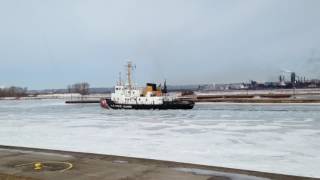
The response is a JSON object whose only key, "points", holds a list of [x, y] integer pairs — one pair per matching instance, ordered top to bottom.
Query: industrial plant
{"points": [[290, 81]]}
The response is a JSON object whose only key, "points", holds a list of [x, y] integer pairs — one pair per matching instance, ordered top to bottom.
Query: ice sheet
{"points": [[273, 138]]}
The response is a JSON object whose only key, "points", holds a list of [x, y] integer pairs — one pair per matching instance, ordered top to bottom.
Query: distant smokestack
{"points": [[293, 77]]}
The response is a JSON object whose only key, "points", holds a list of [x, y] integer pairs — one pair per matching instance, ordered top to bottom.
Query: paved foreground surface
{"points": [[18, 163]]}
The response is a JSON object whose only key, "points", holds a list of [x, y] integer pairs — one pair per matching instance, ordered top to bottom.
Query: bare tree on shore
{"points": [[81, 88], [13, 91]]}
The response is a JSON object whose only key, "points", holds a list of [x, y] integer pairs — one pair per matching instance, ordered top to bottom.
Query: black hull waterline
{"points": [[179, 104]]}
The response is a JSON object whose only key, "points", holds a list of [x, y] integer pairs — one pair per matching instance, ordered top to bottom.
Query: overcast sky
{"points": [[53, 43]]}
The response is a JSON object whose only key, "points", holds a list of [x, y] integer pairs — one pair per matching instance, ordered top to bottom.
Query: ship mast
{"points": [[129, 74]]}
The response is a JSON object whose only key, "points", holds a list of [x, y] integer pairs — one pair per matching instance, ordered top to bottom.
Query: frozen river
{"points": [[273, 138]]}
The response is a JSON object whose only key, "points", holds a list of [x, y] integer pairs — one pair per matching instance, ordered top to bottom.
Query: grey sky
{"points": [[50, 44]]}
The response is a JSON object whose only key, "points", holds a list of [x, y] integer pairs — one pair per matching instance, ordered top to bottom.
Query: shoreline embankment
{"points": [[257, 96]]}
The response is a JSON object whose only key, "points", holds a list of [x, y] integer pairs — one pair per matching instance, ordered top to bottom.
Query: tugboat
{"points": [[127, 96]]}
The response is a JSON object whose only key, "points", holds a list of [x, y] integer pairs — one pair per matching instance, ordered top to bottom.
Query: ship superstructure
{"points": [[128, 96]]}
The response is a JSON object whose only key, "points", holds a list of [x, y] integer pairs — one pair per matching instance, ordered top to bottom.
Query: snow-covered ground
{"points": [[273, 138]]}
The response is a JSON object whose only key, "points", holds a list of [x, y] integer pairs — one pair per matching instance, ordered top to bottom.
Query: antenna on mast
{"points": [[120, 79]]}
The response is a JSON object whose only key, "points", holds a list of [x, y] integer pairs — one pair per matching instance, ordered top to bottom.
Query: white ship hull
{"points": [[177, 104]]}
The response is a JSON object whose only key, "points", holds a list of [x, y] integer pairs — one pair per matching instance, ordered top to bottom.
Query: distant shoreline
{"points": [[273, 96]]}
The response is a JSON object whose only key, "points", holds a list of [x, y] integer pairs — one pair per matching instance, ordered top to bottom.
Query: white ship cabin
{"points": [[130, 95], [151, 95]]}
